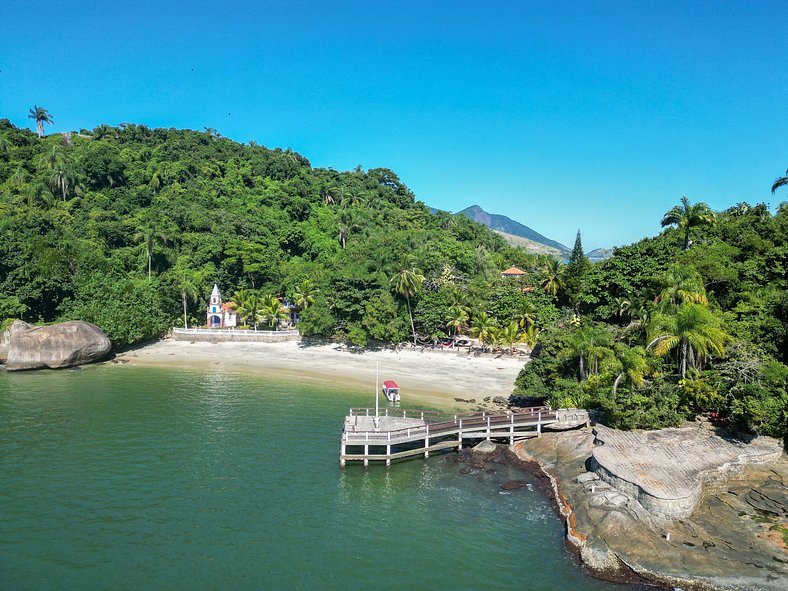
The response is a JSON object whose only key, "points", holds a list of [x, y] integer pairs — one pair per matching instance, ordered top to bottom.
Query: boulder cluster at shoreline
{"points": [[729, 498]]}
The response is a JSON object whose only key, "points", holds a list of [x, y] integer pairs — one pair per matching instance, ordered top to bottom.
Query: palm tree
{"points": [[41, 116], [104, 130], [65, 180], [783, 180], [686, 216], [149, 235], [552, 281], [188, 282], [406, 283], [681, 283], [304, 294], [621, 306], [249, 307], [272, 310], [525, 315], [457, 318], [482, 328], [693, 330], [510, 335], [530, 335], [589, 344], [633, 366]]}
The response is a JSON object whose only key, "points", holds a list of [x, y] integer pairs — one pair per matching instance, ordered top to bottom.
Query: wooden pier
{"points": [[397, 434]]}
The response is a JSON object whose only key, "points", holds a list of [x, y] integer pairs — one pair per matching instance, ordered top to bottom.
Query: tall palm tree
{"points": [[41, 116], [65, 180], [783, 180], [686, 216], [149, 235], [551, 280], [188, 282], [406, 283], [693, 330]]}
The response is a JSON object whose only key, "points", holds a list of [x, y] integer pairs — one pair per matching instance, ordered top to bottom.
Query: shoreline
{"points": [[436, 378], [718, 547]]}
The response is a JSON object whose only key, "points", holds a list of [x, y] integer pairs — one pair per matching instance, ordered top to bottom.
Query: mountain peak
{"points": [[506, 225]]}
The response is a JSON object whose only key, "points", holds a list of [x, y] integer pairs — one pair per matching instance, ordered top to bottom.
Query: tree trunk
{"points": [[183, 297], [412, 326], [683, 356], [582, 371], [616, 383]]}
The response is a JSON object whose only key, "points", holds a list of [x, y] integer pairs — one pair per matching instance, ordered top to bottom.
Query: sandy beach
{"points": [[424, 376]]}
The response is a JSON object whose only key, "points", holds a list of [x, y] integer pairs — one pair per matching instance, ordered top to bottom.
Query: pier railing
{"points": [[458, 424]]}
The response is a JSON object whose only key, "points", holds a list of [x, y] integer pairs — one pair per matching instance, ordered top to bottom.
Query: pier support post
{"points": [[539, 425], [427, 447], [366, 453], [342, 455], [388, 455]]}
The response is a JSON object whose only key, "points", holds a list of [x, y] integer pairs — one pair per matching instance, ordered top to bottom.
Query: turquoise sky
{"points": [[561, 115]]}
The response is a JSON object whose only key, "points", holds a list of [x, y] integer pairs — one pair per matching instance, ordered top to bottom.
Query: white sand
{"points": [[433, 377]]}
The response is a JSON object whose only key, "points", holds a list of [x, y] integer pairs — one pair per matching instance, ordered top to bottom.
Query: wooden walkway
{"points": [[397, 434]]}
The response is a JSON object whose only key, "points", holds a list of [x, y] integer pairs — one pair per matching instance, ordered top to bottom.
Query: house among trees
{"points": [[512, 272], [220, 314]]}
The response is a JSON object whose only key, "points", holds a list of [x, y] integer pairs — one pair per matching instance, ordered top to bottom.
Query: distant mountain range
{"points": [[516, 233]]}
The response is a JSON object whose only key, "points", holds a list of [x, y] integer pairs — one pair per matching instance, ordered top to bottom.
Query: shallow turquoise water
{"points": [[116, 477]]}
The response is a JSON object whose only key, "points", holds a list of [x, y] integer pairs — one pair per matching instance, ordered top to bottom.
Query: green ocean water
{"points": [[118, 477]]}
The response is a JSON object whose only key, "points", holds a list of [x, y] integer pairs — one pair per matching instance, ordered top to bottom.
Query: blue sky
{"points": [[595, 116]]}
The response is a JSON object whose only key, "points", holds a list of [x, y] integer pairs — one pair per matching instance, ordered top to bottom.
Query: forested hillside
{"points": [[121, 226], [130, 227], [692, 321]]}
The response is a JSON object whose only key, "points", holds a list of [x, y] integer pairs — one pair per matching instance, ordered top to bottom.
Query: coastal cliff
{"points": [[725, 534]]}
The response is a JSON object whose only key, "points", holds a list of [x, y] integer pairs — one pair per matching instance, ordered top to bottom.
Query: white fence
{"points": [[234, 334]]}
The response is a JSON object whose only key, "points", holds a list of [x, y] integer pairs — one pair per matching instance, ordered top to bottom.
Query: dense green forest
{"points": [[129, 227]]}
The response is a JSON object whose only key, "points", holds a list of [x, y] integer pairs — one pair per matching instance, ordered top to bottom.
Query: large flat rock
{"points": [[57, 346], [667, 470], [732, 540]]}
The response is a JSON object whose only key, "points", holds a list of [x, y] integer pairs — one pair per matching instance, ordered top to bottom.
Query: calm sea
{"points": [[118, 477]]}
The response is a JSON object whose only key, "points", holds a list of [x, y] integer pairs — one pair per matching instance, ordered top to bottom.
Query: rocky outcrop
{"points": [[5, 337], [56, 346], [669, 470], [730, 540]]}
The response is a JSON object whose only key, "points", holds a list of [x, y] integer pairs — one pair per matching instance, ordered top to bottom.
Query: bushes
{"points": [[127, 310]]}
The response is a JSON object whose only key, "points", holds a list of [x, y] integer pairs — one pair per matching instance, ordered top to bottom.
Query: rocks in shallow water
{"points": [[57, 346], [500, 400], [514, 485]]}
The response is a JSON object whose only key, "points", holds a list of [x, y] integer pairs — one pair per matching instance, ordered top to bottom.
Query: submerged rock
{"points": [[56, 346], [514, 485]]}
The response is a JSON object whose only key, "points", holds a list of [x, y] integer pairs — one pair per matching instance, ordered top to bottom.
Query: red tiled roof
{"points": [[513, 271]]}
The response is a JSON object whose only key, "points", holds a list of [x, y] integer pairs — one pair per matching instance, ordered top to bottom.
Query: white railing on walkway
{"points": [[236, 331]]}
